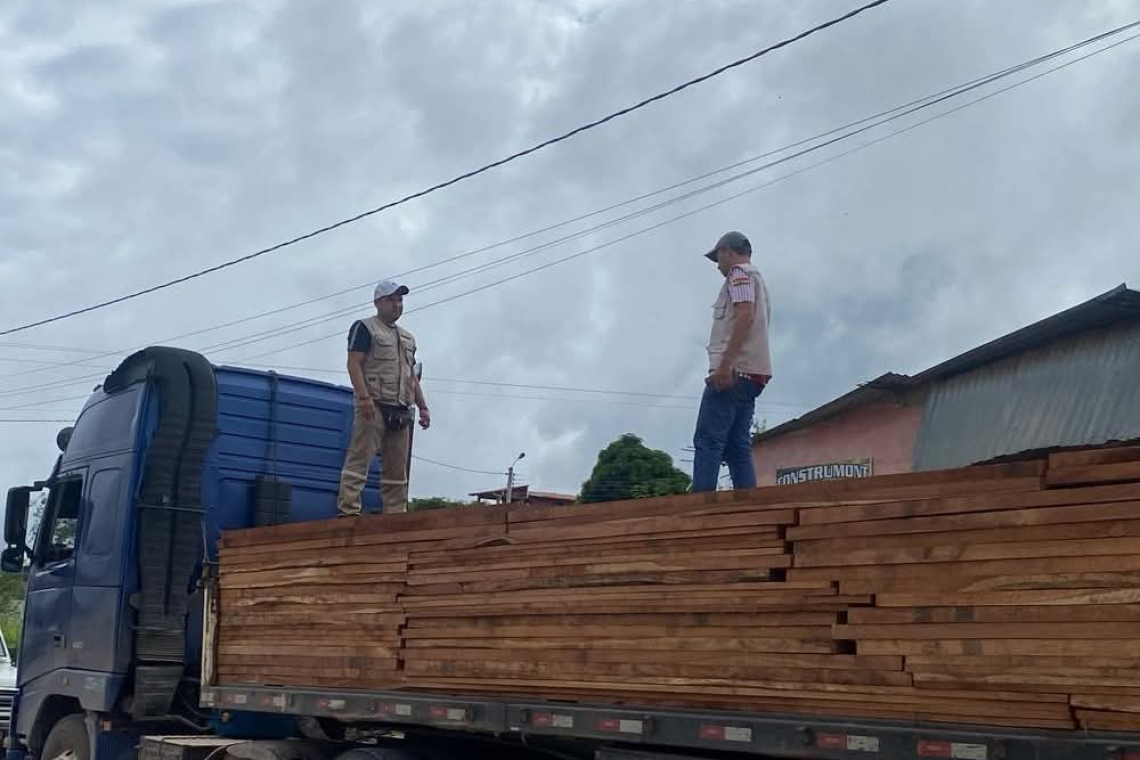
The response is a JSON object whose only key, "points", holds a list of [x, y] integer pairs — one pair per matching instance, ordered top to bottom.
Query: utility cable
{"points": [[976, 83], [927, 100], [454, 180], [720, 202], [557, 225], [528, 386], [61, 422], [455, 466]]}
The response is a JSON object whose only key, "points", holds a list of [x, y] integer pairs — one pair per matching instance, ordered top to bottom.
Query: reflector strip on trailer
{"points": [[237, 698], [275, 700], [331, 704], [399, 709], [452, 714], [552, 720], [622, 725], [726, 733], [848, 742], [956, 750]]}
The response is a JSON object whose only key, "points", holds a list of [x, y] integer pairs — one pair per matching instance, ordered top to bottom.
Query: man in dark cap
{"points": [[740, 366]]}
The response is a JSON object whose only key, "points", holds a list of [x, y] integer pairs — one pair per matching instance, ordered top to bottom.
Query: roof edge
{"points": [[1102, 310], [1087, 315], [863, 394]]}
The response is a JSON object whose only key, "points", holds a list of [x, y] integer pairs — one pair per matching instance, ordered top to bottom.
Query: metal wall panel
{"points": [[1080, 391]]}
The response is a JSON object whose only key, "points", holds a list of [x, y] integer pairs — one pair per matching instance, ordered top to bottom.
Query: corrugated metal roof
{"points": [[1116, 305], [1080, 391]]}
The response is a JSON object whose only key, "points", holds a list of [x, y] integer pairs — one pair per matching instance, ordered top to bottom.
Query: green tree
{"points": [[628, 469], [435, 502], [14, 586], [12, 589]]}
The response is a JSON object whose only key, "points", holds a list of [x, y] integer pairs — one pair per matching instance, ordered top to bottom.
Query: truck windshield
{"points": [[105, 426]]}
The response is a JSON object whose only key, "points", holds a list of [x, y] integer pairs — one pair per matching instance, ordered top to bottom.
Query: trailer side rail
{"points": [[774, 735]]}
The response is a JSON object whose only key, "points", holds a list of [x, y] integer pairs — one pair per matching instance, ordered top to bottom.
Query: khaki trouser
{"points": [[369, 438]]}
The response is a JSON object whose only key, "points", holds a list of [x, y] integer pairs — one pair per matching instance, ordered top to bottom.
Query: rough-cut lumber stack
{"points": [[1032, 593], [1003, 595], [318, 603]]}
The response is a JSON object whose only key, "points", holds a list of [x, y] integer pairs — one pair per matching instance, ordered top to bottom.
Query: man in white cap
{"points": [[381, 361], [740, 366]]}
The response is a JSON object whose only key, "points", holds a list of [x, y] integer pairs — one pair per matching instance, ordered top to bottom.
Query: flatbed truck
{"points": [[117, 649]]}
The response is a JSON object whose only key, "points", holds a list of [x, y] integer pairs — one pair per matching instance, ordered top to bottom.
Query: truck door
{"points": [[47, 623]]}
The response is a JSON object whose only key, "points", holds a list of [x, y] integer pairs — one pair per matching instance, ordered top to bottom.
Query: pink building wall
{"points": [[885, 431]]}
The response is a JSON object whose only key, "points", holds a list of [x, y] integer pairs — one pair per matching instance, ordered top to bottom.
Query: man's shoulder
{"points": [[738, 275], [361, 326], [359, 336]]}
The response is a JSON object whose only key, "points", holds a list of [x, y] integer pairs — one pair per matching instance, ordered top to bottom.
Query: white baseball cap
{"points": [[388, 288]]}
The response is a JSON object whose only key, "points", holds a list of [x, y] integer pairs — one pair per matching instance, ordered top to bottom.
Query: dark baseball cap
{"points": [[737, 241]]}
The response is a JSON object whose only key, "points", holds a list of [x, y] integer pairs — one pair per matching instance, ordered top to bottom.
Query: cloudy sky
{"points": [[144, 140]]}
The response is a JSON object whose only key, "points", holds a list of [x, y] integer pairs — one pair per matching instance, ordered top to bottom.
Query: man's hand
{"points": [[722, 379], [367, 407], [425, 418]]}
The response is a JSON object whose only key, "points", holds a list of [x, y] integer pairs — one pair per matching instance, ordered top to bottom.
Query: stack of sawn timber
{"points": [[1034, 593], [928, 596], [319, 603]]}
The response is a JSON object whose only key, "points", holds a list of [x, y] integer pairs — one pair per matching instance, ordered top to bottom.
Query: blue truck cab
{"points": [[168, 451]]}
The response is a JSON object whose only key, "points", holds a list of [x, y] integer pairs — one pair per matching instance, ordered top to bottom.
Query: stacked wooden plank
{"points": [[1034, 592], [1004, 594], [319, 603]]}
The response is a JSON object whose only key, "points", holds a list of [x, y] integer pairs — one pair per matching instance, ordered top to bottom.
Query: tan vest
{"points": [[754, 358], [388, 365]]}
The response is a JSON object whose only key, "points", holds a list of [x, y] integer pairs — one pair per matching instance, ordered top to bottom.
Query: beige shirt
{"points": [[755, 357]]}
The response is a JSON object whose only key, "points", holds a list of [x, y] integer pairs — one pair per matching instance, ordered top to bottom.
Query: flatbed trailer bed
{"points": [[670, 731]]}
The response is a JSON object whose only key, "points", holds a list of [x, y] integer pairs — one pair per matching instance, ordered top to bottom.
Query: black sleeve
{"points": [[359, 339]]}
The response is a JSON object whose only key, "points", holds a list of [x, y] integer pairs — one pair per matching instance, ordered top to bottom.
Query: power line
{"points": [[946, 94], [923, 102], [460, 178], [720, 202], [552, 227], [454, 277], [40, 347], [43, 364], [529, 386], [647, 394], [611, 402], [43, 403], [11, 421], [456, 467]]}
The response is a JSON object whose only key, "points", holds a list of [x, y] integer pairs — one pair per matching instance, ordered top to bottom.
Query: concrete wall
{"points": [[884, 431]]}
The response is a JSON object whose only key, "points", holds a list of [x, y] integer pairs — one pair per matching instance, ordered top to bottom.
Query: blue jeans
{"points": [[724, 434]]}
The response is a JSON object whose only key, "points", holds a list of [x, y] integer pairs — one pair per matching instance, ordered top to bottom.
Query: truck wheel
{"points": [[68, 740]]}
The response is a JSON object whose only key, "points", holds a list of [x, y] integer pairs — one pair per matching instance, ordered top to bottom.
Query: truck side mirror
{"points": [[16, 516], [12, 559]]}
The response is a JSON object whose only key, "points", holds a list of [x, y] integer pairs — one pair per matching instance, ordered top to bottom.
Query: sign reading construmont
{"points": [[847, 468]]}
